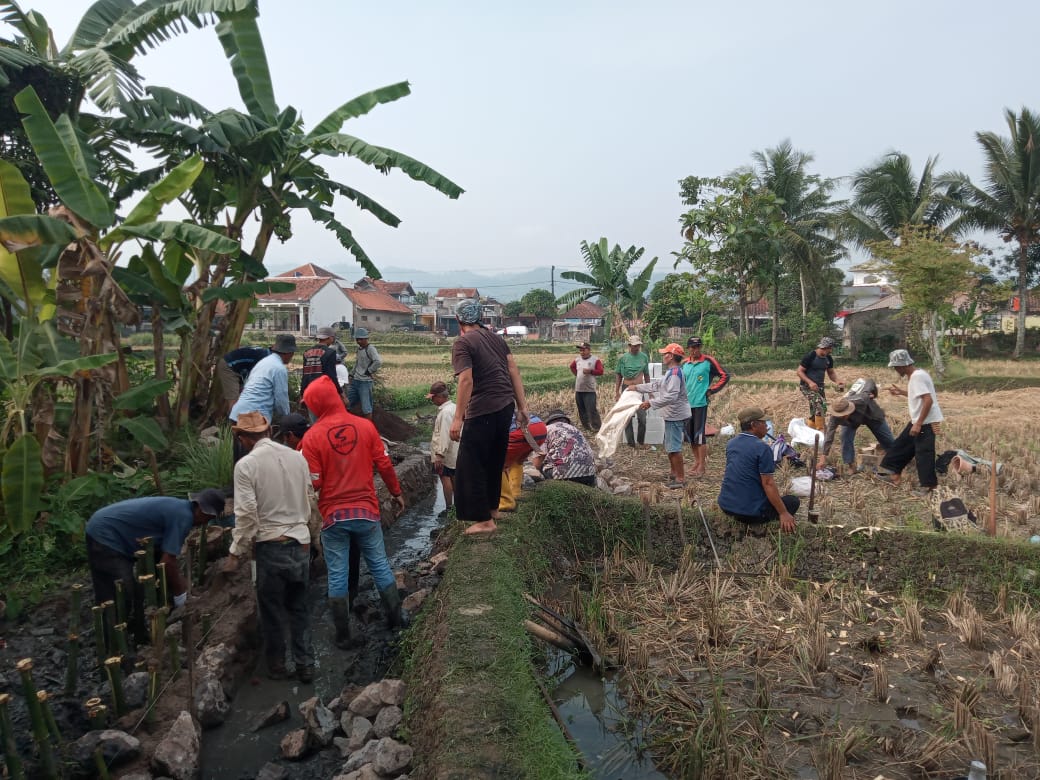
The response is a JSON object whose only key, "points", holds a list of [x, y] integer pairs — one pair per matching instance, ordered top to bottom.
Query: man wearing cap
{"points": [[320, 359], [366, 364], [586, 367], [633, 368], [233, 371], [811, 373], [704, 377], [267, 388], [489, 391], [668, 395], [857, 407], [917, 439], [443, 449], [343, 450], [567, 455], [749, 493], [274, 504], [115, 532]]}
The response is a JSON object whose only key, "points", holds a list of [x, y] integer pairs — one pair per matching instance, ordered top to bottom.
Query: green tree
{"points": [[1009, 202], [734, 232], [808, 247], [929, 270], [608, 279], [422, 298], [682, 299], [539, 302], [513, 309]]}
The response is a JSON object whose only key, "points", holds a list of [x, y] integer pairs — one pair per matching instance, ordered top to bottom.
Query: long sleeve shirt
{"points": [[367, 363], [699, 376], [586, 383], [266, 391], [668, 395], [442, 444], [273, 497]]}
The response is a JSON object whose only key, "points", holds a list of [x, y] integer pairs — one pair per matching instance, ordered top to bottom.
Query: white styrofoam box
{"points": [[655, 371], [654, 429]]}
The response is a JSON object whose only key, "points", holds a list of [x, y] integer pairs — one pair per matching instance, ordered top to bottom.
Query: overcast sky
{"points": [[566, 121]]}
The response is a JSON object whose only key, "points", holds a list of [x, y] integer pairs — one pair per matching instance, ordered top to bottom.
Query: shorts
{"points": [[360, 393], [695, 430], [673, 435], [445, 471]]}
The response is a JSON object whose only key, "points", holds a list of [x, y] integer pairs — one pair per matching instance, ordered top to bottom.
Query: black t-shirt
{"points": [[486, 354], [319, 360], [816, 367]]}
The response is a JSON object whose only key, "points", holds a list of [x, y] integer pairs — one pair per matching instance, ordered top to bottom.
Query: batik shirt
{"points": [[568, 452]]}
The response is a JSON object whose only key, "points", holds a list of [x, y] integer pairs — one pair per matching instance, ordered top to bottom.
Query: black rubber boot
{"points": [[391, 599], [341, 619]]}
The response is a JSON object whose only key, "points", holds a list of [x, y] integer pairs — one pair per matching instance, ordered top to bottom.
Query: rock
{"points": [[606, 475], [602, 484], [623, 489], [439, 562], [422, 568], [400, 577], [413, 601], [40, 632], [213, 661], [135, 689], [392, 692], [368, 703], [211, 705], [277, 714], [345, 720], [319, 721], [387, 721], [360, 733], [294, 744], [343, 744], [117, 747], [177, 756], [361, 757], [391, 757], [271, 771], [364, 773], [142, 775]]}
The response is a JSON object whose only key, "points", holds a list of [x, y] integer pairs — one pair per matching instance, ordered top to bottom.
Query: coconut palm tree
{"points": [[1009, 202], [608, 279]]}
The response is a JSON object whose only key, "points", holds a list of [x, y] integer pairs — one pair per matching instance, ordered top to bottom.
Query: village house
{"points": [[317, 301], [379, 312], [583, 322]]}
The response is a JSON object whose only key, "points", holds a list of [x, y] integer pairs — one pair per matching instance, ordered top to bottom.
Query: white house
{"points": [[317, 301]]}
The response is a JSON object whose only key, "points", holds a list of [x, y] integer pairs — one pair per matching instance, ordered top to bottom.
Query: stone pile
{"points": [[607, 480]]}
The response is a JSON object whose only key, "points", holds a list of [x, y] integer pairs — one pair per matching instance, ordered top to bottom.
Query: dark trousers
{"points": [[587, 411], [638, 421], [907, 448], [478, 470], [589, 480], [791, 503], [107, 566], [282, 576]]}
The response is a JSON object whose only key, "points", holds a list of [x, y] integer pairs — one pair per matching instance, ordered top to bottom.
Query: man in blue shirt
{"points": [[267, 389], [749, 493], [114, 534]]}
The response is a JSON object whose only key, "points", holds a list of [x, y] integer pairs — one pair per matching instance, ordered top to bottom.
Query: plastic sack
{"points": [[727, 430], [801, 433], [800, 486]]}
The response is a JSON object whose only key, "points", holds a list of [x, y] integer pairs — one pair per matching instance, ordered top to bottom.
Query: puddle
{"points": [[610, 741], [232, 750]]}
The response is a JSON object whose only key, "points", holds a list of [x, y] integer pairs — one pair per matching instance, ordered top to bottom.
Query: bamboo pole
{"points": [[813, 516], [991, 524], [149, 555], [164, 588], [151, 598], [120, 602], [75, 608], [108, 619], [99, 635], [548, 635], [121, 645], [71, 665], [115, 677], [97, 714], [150, 715], [48, 716], [39, 724], [11, 757], [99, 762]]}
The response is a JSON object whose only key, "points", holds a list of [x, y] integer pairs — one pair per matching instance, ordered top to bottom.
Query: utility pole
{"points": [[552, 280]]}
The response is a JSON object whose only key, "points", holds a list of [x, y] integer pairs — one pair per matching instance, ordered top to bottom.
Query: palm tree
{"points": [[886, 197], [1009, 203], [807, 212], [608, 279]]}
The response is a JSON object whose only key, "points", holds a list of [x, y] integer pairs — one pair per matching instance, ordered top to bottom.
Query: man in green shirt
{"points": [[633, 368]]}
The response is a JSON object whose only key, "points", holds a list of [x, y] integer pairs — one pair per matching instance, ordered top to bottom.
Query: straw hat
{"points": [[843, 407], [251, 422]]}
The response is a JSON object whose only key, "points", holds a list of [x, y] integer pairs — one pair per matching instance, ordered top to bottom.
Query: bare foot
{"points": [[698, 472], [482, 528]]}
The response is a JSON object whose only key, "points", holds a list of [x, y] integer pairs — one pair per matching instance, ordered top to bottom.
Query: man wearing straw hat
{"points": [[855, 408], [917, 439], [749, 493], [274, 504]]}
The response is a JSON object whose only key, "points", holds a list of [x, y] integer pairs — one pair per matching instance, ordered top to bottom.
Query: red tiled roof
{"points": [[308, 270], [306, 287], [394, 288], [457, 292], [376, 301], [759, 308], [586, 310]]}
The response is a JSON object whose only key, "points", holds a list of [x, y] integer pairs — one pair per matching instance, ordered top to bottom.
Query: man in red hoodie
{"points": [[341, 450]]}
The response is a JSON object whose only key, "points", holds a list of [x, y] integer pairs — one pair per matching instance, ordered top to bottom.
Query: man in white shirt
{"points": [[917, 439], [443, 449], [274, 507]]}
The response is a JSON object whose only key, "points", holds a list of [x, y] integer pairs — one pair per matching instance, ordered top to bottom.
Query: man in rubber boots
{"points": [[812, 370], [342, 449], [518, 449]]}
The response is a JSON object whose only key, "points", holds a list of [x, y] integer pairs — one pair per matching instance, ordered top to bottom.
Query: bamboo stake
{"points": [[814, 517], [991, 525], [149, 555], [140, 568], [164, 588], [151, 598], [120, 602], [75, 608], [108, 618], [159, 627], [99, 634], [548, 635], [121, 645], [71, 665], [115, 677], [97, 714], [150, 715], [48, 716], [39, 723], [11, 757], [99, 762]]}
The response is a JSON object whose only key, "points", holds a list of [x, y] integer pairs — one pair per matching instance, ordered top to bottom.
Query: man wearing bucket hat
{"points": [[366, 364], [633, 368], [812, 370], [267, 388], [489, 392], [668, 396], [857, 407], [917, 439], [444, 451], [567, 452], [749, 493], [274, 507], [115, 532]]}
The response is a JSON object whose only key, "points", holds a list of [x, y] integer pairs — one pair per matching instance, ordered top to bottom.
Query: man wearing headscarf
{"points": [[489, 391]]}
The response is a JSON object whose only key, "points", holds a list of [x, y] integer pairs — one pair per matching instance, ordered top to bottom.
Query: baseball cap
{"points": [[325, 333], [634, 341], [694, 341], [583, 345], [673, 349], [437, 388], [749, 413], [295, 424], [210, 501]]}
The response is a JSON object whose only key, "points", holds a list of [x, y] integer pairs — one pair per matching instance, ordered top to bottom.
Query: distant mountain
{"points": [[501, 286]]}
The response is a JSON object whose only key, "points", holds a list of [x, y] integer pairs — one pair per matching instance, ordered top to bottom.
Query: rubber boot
{"points": [[817, 423], [512, 484], [353, 574], [391, 598], [341, 619]]}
